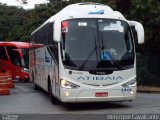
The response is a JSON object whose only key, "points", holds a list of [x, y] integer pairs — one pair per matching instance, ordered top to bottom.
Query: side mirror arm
{"points": [[139, 29]]}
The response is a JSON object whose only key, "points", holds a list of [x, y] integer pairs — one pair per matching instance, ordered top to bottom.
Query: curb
{"points": [[148, 89]]}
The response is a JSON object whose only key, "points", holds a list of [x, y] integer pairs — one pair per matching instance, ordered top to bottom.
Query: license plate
{"points": [[17, 76], [101, 94]]}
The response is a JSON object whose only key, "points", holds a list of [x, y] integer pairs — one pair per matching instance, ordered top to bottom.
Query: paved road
{"points": [[24, 99]]}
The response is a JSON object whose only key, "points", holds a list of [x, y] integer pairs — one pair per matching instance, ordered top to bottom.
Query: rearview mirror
{"points": [[139, 29], [57, 31]]}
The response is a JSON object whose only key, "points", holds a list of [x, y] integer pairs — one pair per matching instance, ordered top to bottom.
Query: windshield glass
{"points": [[90, 44], [18, 57], [25, 58]]}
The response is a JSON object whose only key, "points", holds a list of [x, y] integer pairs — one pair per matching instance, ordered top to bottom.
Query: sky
{"points": [[30, 4]]}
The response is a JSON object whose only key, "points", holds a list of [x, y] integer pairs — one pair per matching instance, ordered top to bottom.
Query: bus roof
{"points": [[84, 10], [16, 44]]}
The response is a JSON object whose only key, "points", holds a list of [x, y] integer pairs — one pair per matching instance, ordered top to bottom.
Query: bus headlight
{"points": [[25, 70], [130, 83], [67, 84]]}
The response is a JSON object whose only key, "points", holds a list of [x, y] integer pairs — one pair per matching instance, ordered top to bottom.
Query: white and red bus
{"points": [[14, 57]]}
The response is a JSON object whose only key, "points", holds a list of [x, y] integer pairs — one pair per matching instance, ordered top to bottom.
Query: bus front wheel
{"points": [[26, 81], [36, 87], [54, 100]]}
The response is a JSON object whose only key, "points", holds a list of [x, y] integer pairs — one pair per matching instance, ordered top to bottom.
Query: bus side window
{"points": [[50, 34], [51, 43], [3, 54]]}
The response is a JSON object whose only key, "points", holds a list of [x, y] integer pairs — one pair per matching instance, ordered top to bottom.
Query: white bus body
{"points": [[70, 57]]}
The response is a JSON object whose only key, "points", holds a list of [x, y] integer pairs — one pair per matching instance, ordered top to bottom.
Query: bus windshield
{"points": [[97, 44], [19, 57], [25, 58]]}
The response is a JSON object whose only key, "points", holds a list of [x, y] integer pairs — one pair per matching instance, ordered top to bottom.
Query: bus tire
{"points": [[32, 79], [26, 81], [36, 87], [54, 100]]}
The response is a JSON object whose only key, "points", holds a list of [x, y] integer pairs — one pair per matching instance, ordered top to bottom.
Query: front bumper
{"points": [[76, 96]]}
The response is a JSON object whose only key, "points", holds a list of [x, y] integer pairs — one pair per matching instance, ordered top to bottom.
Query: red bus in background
{"points": [[14, 57]]}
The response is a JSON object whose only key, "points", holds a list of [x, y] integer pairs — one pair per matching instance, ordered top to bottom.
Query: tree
{"points": [[23, 1], [147, 12], [17, 23]]}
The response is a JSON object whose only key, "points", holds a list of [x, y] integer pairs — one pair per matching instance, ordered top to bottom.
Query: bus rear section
{"points": [[15, 58]]}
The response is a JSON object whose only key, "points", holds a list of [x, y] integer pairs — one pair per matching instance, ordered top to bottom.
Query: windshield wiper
{"points": [[90, 54], [87, 58], [112, 59]]}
